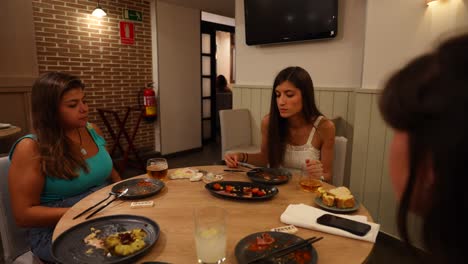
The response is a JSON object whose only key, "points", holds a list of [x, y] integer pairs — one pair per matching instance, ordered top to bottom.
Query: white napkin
{"points": [[306, 216]]}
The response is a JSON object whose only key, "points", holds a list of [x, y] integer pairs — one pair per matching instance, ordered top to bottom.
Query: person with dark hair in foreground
{"points": [[426, 104], [295, 134], [63, 161]]}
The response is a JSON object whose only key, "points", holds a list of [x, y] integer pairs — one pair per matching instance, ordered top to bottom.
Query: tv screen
{"points": [[272, 21]]}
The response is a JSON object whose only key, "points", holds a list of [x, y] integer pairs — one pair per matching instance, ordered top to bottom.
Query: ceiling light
{"points": [[98, 11]]}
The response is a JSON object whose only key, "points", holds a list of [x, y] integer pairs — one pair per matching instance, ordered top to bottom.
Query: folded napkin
{"points": [[306, 216]]}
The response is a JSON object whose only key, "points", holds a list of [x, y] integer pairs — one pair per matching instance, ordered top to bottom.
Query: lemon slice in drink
{"points": [[209, 233]]}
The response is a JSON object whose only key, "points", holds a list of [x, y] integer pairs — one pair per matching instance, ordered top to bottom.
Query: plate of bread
{"points": [[338, 200]]}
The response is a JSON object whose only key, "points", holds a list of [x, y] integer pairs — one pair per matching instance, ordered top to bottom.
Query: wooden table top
{"points": [[6, 132], [173, 211]]}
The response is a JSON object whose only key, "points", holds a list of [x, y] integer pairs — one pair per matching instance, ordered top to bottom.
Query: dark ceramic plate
{"points": [[269, 175], [139, 188], [238, 192], [335, 209], [69, 247], [247, 249]]}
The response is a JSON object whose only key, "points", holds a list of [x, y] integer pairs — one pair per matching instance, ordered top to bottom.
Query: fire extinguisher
{"points": [[149, 102]]}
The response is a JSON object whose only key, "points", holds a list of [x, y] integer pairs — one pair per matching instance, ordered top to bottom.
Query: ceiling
{"points": [[219, 7]]}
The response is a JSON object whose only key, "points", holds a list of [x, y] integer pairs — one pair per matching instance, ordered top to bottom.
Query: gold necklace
{"points": [[82, 150]]}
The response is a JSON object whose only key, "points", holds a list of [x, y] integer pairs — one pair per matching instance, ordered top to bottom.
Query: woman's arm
{"points": [[258, 159], [324, 167], [115, 176], [25, 183]]}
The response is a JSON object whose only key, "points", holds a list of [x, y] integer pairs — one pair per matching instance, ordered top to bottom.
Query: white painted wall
{"points": [[399, 30], [223, 54], [154, 57], [332, 63], [179, 77]]}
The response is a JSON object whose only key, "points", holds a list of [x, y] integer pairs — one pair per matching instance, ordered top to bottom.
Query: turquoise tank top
{"points": [[100, 168]]}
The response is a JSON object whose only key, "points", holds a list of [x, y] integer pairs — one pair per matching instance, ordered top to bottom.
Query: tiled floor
{"points": [[386, 250]]}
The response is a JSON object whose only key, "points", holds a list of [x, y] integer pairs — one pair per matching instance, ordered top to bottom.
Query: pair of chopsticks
{"points": [[286, 250]]}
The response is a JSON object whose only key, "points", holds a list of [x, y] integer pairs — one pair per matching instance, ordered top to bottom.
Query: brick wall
{"points": [[69, 39]]}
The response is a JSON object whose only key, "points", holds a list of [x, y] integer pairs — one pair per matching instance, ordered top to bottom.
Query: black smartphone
{"points": [[351, 226]]}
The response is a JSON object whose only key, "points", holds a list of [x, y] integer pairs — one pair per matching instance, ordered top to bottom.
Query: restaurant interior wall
{"points": [[178, 34], [69, 39], [387, 44], [18, 67]]}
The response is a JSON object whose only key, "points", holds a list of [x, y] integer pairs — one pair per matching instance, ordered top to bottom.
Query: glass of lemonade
{"points": [[156, 168], [210, 234]]}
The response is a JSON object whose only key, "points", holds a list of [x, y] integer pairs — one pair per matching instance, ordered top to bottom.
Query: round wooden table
{"points": [[10, 131], [173, 211]]}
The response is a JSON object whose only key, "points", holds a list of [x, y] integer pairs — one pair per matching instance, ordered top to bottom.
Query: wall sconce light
{"points": [[428, 2], [98, 11]]}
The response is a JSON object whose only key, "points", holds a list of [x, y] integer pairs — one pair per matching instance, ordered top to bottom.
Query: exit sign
{"points": [[132, 15]]}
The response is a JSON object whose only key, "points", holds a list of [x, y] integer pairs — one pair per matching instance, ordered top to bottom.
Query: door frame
{"points": [[210, 28]]}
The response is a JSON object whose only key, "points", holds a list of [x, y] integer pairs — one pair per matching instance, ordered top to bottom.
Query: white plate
{"points": [[4, 125]]}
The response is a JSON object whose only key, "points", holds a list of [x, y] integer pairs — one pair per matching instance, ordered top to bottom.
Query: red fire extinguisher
{"points": [[149, 103]]}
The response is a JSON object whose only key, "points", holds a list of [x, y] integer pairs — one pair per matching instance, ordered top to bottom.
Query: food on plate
{"points": [[183, 173], [271, 177], [246, 191], [340, 197], [126, 243], [266, 243], [120, 244]]}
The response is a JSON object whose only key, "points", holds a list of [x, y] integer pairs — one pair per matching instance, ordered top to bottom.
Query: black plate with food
{"points": [[269, 175], [139, 188], [238, 190], [335, 209], [259, 244], [70, 246]]}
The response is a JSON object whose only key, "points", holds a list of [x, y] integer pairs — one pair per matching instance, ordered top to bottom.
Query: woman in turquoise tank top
{"points": [[64, 160]]}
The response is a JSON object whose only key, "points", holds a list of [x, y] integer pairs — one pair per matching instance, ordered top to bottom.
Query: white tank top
{"points": [[295, 156]]}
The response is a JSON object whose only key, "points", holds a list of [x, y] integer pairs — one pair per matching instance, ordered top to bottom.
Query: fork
{"points": [[104, 206], [90, 208]]}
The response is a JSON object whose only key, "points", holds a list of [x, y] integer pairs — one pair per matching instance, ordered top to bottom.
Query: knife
{"points": [[104, 206]]}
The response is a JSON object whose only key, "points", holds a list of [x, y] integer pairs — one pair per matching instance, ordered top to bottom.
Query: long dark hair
{"points": [[428, 99], [278, 126], [58, 153]]}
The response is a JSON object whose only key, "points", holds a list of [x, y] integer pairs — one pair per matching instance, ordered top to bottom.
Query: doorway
{"points": [[217, 58]]}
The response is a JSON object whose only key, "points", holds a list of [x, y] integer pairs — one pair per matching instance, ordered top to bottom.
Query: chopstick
{"points": [[228, 170], [90, 208], [286, 250]]}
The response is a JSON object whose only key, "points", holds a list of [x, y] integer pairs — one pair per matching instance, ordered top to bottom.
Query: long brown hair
{"points": [[428, 99], [278, 126], [58, 154]]}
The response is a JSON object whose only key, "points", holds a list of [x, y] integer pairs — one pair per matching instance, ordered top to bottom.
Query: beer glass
{"points": [[156, 168], [307, 182]]}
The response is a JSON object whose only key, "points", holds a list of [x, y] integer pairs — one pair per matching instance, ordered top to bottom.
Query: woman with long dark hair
{"points": [[426, 104], [294, 134], [63, 161]]}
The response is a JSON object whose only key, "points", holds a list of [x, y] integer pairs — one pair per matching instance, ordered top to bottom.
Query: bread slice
{"points": [[320, 191], [339, 191], [328, 200], [345, 201]]}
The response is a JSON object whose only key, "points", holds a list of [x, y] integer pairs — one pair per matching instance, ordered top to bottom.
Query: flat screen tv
{"points": [[273, 21]]}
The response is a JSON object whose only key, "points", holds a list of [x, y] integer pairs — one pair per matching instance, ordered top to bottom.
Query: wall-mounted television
{"points": [[273, 21]]}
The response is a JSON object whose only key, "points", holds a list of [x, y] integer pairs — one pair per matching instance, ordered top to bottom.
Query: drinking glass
{"points": [[157, 168], [307, 182], [210, 234]]}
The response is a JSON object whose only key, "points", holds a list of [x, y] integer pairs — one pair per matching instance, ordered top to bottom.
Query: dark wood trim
{"points": [[206, 54], [188, 151]]}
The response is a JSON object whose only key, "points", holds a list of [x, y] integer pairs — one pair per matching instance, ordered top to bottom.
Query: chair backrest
{"points": [[236, 129], [339, 160], [13, 238]]}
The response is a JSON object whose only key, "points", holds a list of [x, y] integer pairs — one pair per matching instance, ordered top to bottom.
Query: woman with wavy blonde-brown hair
{"points": [[63, 161]]}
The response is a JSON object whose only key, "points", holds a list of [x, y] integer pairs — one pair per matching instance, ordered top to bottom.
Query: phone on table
{"points": [[351, 226]]}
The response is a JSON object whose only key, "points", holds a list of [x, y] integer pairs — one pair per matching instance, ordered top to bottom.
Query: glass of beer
{"points": [[156, 168], [307, 182]]}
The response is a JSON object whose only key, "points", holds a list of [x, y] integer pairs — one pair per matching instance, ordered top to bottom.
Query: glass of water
{"points": [[210, 234]]}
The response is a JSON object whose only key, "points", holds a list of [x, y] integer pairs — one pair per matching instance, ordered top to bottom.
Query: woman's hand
{"points": [[231, 159], [314, 168]]}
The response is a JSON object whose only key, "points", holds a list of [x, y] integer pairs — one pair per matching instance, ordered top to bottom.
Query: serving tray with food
{"points": [[238, 190]]}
